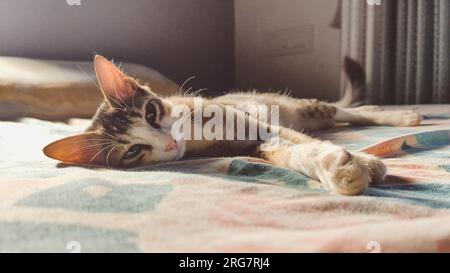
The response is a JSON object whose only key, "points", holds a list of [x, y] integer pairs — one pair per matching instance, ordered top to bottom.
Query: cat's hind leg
{"points": [[367, 108], [306, 114], [355, 116]]}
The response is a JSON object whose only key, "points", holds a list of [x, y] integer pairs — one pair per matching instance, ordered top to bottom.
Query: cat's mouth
{"points": [[172, 145]]}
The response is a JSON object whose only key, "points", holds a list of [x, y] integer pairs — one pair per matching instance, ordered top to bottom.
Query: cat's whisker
{"points": [[87, 75], [185, 82], [96, 85], [187, 91], [286, 92], [195, 93], [132, 99], [115, 101], [124, 104], [123, 108], [187, 115], [197, 118], [108, 134], [92, 139], [95, 145], [90, 146], [125, 147], [100, 151], [109, 153]]}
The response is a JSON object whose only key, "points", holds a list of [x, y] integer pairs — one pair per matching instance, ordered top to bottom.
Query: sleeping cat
{"points": [[132, 128]]}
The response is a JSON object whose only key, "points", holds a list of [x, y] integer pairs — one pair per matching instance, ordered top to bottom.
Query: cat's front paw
{"points": [[377, 169], [342, 171]]}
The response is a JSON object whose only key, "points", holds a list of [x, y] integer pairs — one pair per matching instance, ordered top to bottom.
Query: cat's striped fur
{"points": [[132, 128]]}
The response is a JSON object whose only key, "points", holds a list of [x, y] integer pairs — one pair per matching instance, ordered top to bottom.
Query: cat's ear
{"points": [[117, 87], [86, 148]]}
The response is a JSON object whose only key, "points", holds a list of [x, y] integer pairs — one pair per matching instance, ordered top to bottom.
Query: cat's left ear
{"points": [[117, 87], [86, 148]]}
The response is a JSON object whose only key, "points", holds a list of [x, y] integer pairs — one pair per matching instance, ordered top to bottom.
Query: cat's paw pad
{"points": [[377, 169], [343, 172]]}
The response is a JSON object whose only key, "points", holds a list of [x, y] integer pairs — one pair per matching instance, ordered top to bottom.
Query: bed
{"points": [[225, 204]]}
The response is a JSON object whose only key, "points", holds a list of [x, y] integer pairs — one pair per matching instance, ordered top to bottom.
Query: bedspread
{"points": [[226, 204]]}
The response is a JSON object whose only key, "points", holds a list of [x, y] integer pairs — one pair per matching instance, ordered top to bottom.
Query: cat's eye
{"points": [[151, 113], [134, 151]]}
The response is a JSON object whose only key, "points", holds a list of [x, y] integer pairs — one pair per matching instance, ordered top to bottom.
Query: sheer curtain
{"points": [[404, 46]]}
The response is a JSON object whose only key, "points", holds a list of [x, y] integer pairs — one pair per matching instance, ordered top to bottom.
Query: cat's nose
{"points": [[172, 145]]}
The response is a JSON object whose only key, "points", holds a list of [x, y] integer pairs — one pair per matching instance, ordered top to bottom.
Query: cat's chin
{"points": [[181, 149]]}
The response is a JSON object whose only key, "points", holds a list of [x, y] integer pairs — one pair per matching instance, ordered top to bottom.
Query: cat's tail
{"points": [[355, 83]]}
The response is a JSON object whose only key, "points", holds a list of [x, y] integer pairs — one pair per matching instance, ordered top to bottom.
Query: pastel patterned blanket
{"points": [[226, 204]]}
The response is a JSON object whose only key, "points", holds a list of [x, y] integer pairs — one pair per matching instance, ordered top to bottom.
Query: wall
{"points": [[180, 38], [183, 38], [287, 44]]}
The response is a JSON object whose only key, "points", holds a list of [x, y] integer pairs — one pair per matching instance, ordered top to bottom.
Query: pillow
{"points": [[58, 90]]}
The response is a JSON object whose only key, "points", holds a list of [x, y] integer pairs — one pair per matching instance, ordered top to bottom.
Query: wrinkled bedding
{"points": [[225, 204]]}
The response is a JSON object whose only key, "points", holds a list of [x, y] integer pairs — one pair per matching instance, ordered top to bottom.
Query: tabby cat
{"points": [[132, 128]]}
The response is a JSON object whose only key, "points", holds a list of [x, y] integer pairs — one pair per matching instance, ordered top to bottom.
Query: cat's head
{"points": [[131, 128]]}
